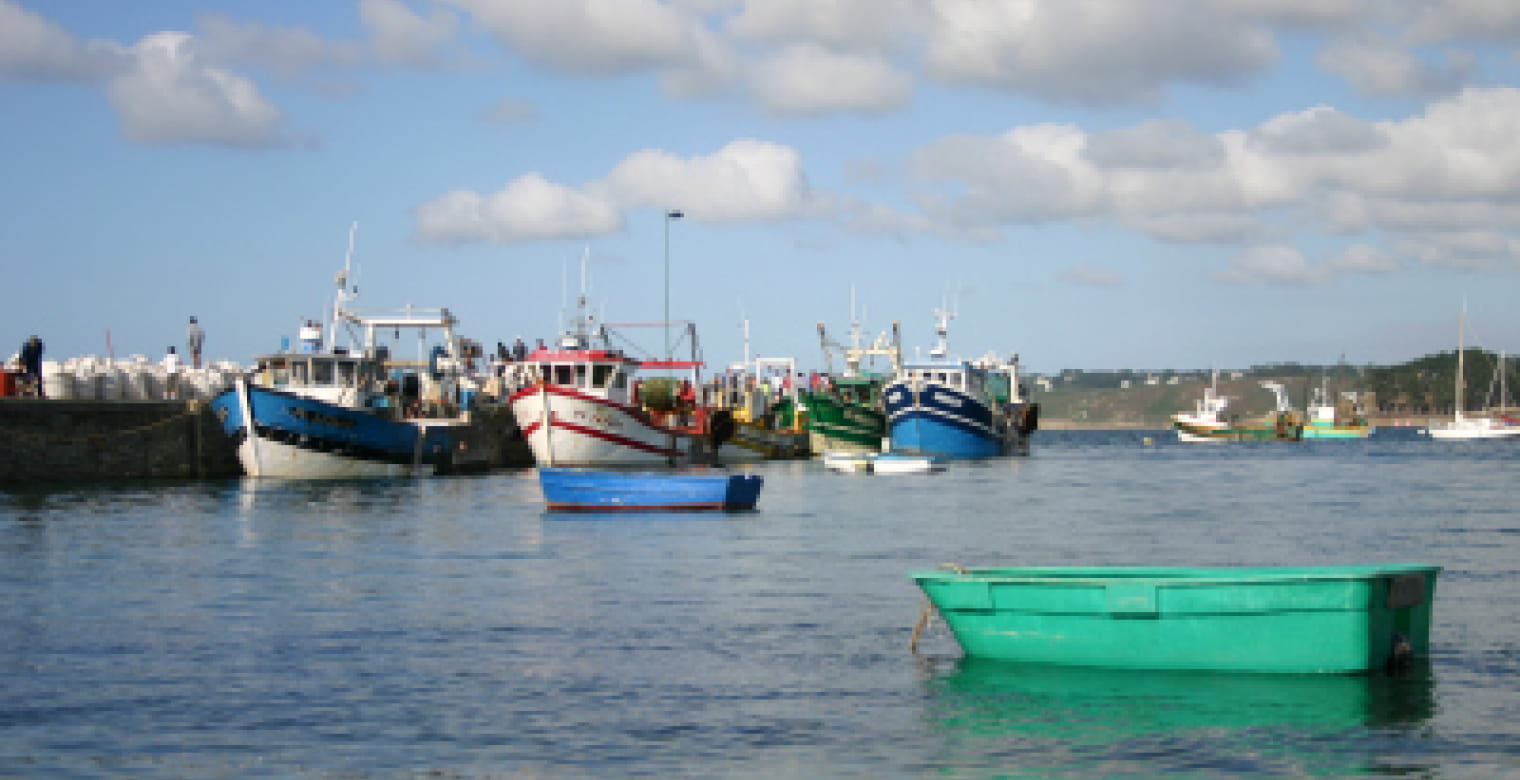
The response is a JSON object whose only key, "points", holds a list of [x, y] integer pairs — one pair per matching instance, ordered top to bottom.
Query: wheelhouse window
{"points": [[322, 372], [300, 373], [348, 373], [563, 375], [580, 375], [600, 375]]}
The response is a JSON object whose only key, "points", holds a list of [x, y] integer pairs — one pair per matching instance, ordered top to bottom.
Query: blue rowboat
{"points": [[607, 490]]}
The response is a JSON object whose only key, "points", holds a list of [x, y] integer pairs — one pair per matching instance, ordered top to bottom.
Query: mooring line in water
{"points": [[927, 613], [920, 625]]}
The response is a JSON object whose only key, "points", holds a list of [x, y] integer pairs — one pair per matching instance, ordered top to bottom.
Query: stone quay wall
{"points": [[55, 440]]}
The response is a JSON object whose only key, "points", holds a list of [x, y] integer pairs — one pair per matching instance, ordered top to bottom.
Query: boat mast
{"points": [[342, 296], [1461, 352]]}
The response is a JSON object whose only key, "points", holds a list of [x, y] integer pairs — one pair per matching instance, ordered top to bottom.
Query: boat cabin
{"points": [[315, 370], [601, 373]]}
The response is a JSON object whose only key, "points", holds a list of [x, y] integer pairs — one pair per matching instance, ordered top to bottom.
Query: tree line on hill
{"points": [[1425, 385]]}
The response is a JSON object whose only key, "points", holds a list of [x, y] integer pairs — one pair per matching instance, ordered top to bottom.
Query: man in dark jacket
{"points": [[31, 363]]}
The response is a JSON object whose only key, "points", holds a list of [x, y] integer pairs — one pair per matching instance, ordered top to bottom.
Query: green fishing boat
{"points": [[846, 414], [1319, 619]]}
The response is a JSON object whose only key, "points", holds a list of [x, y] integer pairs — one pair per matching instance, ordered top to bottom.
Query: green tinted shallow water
{"points": [[451, 628]]}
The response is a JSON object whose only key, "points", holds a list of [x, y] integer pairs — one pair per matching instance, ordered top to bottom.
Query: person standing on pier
{"points": [[195, 339], [31, 364], [171, 372]]}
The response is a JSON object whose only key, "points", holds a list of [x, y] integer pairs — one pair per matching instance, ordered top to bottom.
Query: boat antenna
{"points": [[343, 294]]}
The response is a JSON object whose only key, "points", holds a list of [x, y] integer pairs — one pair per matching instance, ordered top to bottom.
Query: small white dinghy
{"points": [[904, 463]]}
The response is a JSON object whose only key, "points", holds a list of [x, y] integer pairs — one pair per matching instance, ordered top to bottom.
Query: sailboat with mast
{"points": [[1461, 426]]}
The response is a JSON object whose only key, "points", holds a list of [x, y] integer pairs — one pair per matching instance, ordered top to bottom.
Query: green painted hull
{"points": [[833, 424], [1312, 431], [1329, 619]]}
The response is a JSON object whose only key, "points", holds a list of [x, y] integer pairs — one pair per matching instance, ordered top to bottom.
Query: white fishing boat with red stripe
{"points": [[584, 402]]}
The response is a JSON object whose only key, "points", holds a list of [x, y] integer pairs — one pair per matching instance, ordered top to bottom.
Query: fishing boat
{"points": [[761, 396], [585, 402], [958, 408], [323, 411], [847, 412], [1341, 420], [1207, 422], [1464, 427], [613, 490], [1315, 619]]}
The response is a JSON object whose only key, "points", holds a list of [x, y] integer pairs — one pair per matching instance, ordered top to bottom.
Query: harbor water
{"points": [[451, 628]]}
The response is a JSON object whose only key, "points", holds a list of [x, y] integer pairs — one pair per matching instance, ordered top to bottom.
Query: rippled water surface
{"points": [[451, 628]]}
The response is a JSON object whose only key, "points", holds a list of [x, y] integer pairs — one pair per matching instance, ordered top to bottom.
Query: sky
{"points": [[1093, 184]]}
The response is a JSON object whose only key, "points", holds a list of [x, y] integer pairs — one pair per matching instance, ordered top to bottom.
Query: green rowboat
{"points": [[1322, 619]]}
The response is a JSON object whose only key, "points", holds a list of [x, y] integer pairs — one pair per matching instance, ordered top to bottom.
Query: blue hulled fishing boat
{"points": [[958, 408], [322, 412]]}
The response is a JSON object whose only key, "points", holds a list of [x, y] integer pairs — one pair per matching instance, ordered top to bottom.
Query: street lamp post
{"points": [[669, 215]]}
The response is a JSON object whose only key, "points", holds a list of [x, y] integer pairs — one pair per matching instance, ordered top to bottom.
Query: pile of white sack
{"points": [[94, 378]]}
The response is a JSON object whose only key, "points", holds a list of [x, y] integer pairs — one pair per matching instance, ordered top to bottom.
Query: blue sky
{"points": [[1090, 183]]}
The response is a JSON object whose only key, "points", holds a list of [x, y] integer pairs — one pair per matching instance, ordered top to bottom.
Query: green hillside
{"points": [[1424, 387]]}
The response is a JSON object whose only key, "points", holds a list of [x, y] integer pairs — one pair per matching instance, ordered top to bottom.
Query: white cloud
{"points": [[1314, 14], [1497, 20], [838, 24], [398, 35], [593, 37], [32, 47], [1092, 50], [286, 51], [1377, 66], [808, 79], [169, 96], [1318, 130], [1157, 143], [745, 181], [529, 208], [1474, 250], [1364, 259], [1280, 265]]}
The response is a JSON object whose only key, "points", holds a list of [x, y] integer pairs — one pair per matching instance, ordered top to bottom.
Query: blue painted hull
{"points": [[945, 422], [321, 439], [600, 490]]}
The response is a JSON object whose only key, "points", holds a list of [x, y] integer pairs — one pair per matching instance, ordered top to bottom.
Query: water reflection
{"points": [[1039, 719]]}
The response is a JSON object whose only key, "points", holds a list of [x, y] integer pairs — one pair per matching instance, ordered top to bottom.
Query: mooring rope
{"points": [[928, 612]]}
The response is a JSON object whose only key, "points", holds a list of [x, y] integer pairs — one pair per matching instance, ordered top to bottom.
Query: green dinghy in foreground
{"points": [[1325, 619]]}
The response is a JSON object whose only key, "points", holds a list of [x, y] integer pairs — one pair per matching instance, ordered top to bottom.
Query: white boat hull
{"points": [[564, 427], [1481, 428], [265, 458]]}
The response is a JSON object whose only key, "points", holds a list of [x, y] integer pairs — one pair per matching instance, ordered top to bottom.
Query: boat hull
{"points": [[941, 421], [837, 426], [565, 427], [1285, 428], [1474, 428], [1313, 431], [293, 437], [595, 490], [1330, 619]]}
